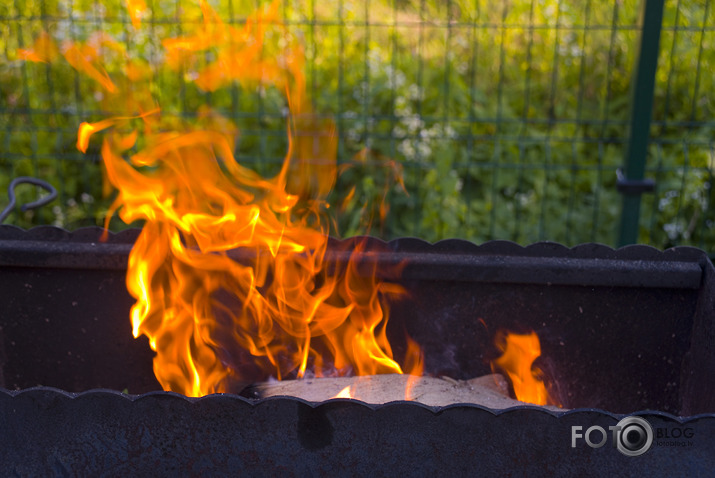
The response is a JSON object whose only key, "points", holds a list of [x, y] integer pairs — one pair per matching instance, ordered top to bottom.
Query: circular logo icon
{"points": [[634, 436]]}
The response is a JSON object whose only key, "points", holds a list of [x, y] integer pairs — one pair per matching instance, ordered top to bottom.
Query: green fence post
{"points": [[631, 183]]}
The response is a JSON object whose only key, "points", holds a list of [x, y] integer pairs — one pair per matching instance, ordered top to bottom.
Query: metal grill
{"points": [[621, 331]]}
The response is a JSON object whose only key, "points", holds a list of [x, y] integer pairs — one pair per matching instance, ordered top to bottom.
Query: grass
{"points": [[507, 118]]}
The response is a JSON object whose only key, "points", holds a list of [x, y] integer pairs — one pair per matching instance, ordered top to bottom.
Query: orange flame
{"points": [[136, 9], [44, 50], [85, 59], [86, 130], [230, 272], [518, 354], [414, 363], [344, 393]]}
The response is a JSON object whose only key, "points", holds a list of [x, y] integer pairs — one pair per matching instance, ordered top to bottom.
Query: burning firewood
{"points": [[489, 391]]}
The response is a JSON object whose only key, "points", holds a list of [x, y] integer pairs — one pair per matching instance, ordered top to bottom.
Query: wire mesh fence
{"points": [[509, 118]]}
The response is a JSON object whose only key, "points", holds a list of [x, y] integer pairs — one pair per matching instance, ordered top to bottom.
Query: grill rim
{"points": [[550, 263], [32, 393]]}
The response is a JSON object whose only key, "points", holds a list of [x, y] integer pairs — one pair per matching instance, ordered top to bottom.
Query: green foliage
{"points": [[508, 119]]}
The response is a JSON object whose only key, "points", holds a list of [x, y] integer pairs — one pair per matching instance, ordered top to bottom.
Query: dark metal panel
{"points": [[70, 328], [619, 349], [698, 367], [46, 432]]}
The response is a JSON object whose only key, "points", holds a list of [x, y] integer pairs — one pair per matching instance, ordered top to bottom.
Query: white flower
{"points": [[397, 77], [414, 92], [401, 106], [449, 132], [407, 149], [424, 149]]}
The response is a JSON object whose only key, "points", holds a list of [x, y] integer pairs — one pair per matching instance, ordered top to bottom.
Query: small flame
{"points": [[136, 9], [44, 50], [84, 58], [86, 130], [518, 354], [414, 363], [344, 393]]}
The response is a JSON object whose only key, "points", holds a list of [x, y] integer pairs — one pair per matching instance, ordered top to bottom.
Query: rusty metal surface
{"points": [[46, 432]]}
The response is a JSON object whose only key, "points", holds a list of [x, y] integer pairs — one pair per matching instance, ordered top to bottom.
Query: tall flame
{"points": [[229, 272], [518, 354]]}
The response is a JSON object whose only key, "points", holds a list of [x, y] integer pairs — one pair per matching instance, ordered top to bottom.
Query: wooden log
{"points": [[489, 391]]}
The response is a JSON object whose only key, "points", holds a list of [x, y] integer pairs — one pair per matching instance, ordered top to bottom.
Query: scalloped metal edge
{"points": [[90, 234], [591, 250], [88, 394]]}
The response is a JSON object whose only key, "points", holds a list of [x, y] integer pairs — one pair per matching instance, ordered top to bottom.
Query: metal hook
{"points": [[31, 205]]}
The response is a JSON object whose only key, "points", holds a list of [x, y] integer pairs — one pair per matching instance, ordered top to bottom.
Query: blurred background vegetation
{"points": [[509, 118]]}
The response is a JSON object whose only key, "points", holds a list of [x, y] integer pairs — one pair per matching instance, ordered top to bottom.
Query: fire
{"points": [[136, 9], [43, 50], [230, 272], [518, 354], [344, 393]]}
